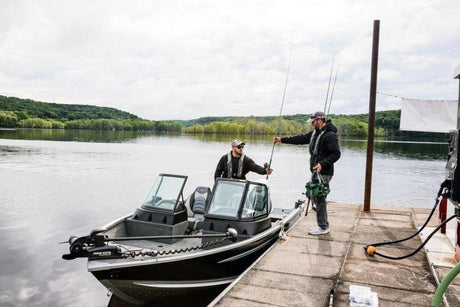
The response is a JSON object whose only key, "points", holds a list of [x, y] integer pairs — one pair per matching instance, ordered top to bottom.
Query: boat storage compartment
{"points": [[146, 223]]}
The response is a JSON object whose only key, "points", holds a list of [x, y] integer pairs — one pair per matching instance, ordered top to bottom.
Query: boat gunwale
{"points": [[102, 265]]}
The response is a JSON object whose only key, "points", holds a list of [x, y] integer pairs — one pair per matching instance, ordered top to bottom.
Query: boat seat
{"points": [[259, 202], [196, 205]]}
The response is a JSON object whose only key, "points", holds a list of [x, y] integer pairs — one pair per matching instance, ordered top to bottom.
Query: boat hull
{"points": [[202, 274]]}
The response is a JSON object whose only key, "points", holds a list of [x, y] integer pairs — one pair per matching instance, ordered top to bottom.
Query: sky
{"points": [[164, 60]]}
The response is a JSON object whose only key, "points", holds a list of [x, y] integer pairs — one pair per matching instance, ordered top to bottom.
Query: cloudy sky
{"points": [[188, 59]]}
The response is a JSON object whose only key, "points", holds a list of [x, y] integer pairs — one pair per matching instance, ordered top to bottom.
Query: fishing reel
{"points": [[267, 166], [317, 189]]}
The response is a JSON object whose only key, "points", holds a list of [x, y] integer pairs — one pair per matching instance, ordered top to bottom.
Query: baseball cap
{"points": [[317, 115], [237, 143]]}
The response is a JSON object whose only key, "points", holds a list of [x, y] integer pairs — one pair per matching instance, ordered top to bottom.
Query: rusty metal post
{"points": [[371, 124]]}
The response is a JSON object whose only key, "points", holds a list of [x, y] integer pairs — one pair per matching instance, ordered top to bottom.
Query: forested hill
{"points": [[61, 112], [26, 113], [385, 119], [386, 125]]}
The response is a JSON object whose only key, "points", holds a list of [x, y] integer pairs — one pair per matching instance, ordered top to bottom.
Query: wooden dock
{"points": [[302, 270]]}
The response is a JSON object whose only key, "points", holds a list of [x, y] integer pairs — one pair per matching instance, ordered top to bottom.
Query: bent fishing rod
{"points": [[281, 108]]}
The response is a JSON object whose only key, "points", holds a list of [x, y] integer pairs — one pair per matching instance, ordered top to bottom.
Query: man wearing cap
{"points": [[324, 152], [236, 165]]}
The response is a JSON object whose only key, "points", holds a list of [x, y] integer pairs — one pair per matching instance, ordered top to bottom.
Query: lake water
{"points": [[57, 183]]}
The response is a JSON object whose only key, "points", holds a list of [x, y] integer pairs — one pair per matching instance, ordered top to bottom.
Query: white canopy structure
{"points": [[428, 115]]}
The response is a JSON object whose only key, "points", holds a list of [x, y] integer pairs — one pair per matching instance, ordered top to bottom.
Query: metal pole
{"points": [[457, 76], [371, 124]]}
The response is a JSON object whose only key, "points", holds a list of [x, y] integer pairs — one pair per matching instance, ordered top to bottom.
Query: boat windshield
{"points": [[165, 192], [226, 199], [256, 203]]}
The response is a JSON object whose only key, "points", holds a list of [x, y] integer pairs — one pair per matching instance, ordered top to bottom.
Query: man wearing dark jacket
{"points": [[324, 152], [236, 165]]}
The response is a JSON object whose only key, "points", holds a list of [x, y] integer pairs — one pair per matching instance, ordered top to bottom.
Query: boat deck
{"points": [[161, 246], [302, 269]]}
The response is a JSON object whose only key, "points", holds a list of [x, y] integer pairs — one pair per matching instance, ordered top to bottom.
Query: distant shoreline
{"points": [[26, 113]]}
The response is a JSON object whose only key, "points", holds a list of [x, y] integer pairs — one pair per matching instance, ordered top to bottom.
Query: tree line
{"points": [[26, 113], [11, 119], [356, 125]]}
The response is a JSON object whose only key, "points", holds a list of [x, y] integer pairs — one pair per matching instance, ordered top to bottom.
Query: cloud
{"points": [[186, 59]]}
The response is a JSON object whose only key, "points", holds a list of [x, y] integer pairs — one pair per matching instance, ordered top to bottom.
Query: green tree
{"points": [[8, 119], [36, 123]]}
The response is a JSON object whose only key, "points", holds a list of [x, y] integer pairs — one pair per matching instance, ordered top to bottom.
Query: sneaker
{"points": [[318, 231]]}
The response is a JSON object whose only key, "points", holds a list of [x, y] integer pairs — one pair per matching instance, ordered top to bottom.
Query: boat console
{"points": [[239, 204], [163, 211]]}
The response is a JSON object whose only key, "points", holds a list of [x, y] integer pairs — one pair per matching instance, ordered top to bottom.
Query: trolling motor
{"points": [[94, 246]]}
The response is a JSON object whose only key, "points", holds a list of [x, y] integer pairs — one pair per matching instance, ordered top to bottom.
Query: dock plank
{"points": [[301, 270]]}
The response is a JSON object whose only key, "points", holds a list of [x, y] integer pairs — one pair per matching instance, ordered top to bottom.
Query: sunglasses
{"points": [[240, 146]]}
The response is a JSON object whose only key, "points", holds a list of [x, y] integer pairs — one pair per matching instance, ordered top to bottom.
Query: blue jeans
{"points": [[319, 204]]}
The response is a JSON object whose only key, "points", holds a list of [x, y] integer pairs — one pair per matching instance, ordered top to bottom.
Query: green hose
{"points": [[444, 284]]}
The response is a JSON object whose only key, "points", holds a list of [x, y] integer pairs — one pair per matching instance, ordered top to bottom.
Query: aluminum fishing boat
{"points": [[173, 248]]}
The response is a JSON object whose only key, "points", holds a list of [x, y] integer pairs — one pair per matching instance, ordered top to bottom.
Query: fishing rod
{"points": [[329, 84], [333, 87], [281, 108], [231, 233], [331, 295]]}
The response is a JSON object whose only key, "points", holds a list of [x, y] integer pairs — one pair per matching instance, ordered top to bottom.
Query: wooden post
{"points": [[371, 124]]}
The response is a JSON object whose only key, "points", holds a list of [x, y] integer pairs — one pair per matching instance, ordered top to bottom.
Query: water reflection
{"points": [[73, 135], [402, 149], [422, 149]]}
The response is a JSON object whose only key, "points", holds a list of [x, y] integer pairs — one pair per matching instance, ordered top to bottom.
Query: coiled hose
{"points": [[371, 249]]}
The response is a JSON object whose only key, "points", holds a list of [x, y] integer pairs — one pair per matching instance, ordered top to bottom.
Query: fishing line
{"points": [[329, 84], [333, 87], [380, 93], [281, 108]]}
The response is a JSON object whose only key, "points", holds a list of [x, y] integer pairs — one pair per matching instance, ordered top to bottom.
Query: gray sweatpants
{"points": [[319, 204]]}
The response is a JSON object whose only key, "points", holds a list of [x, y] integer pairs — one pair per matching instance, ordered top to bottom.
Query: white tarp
{"points": [[428, 115]]}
